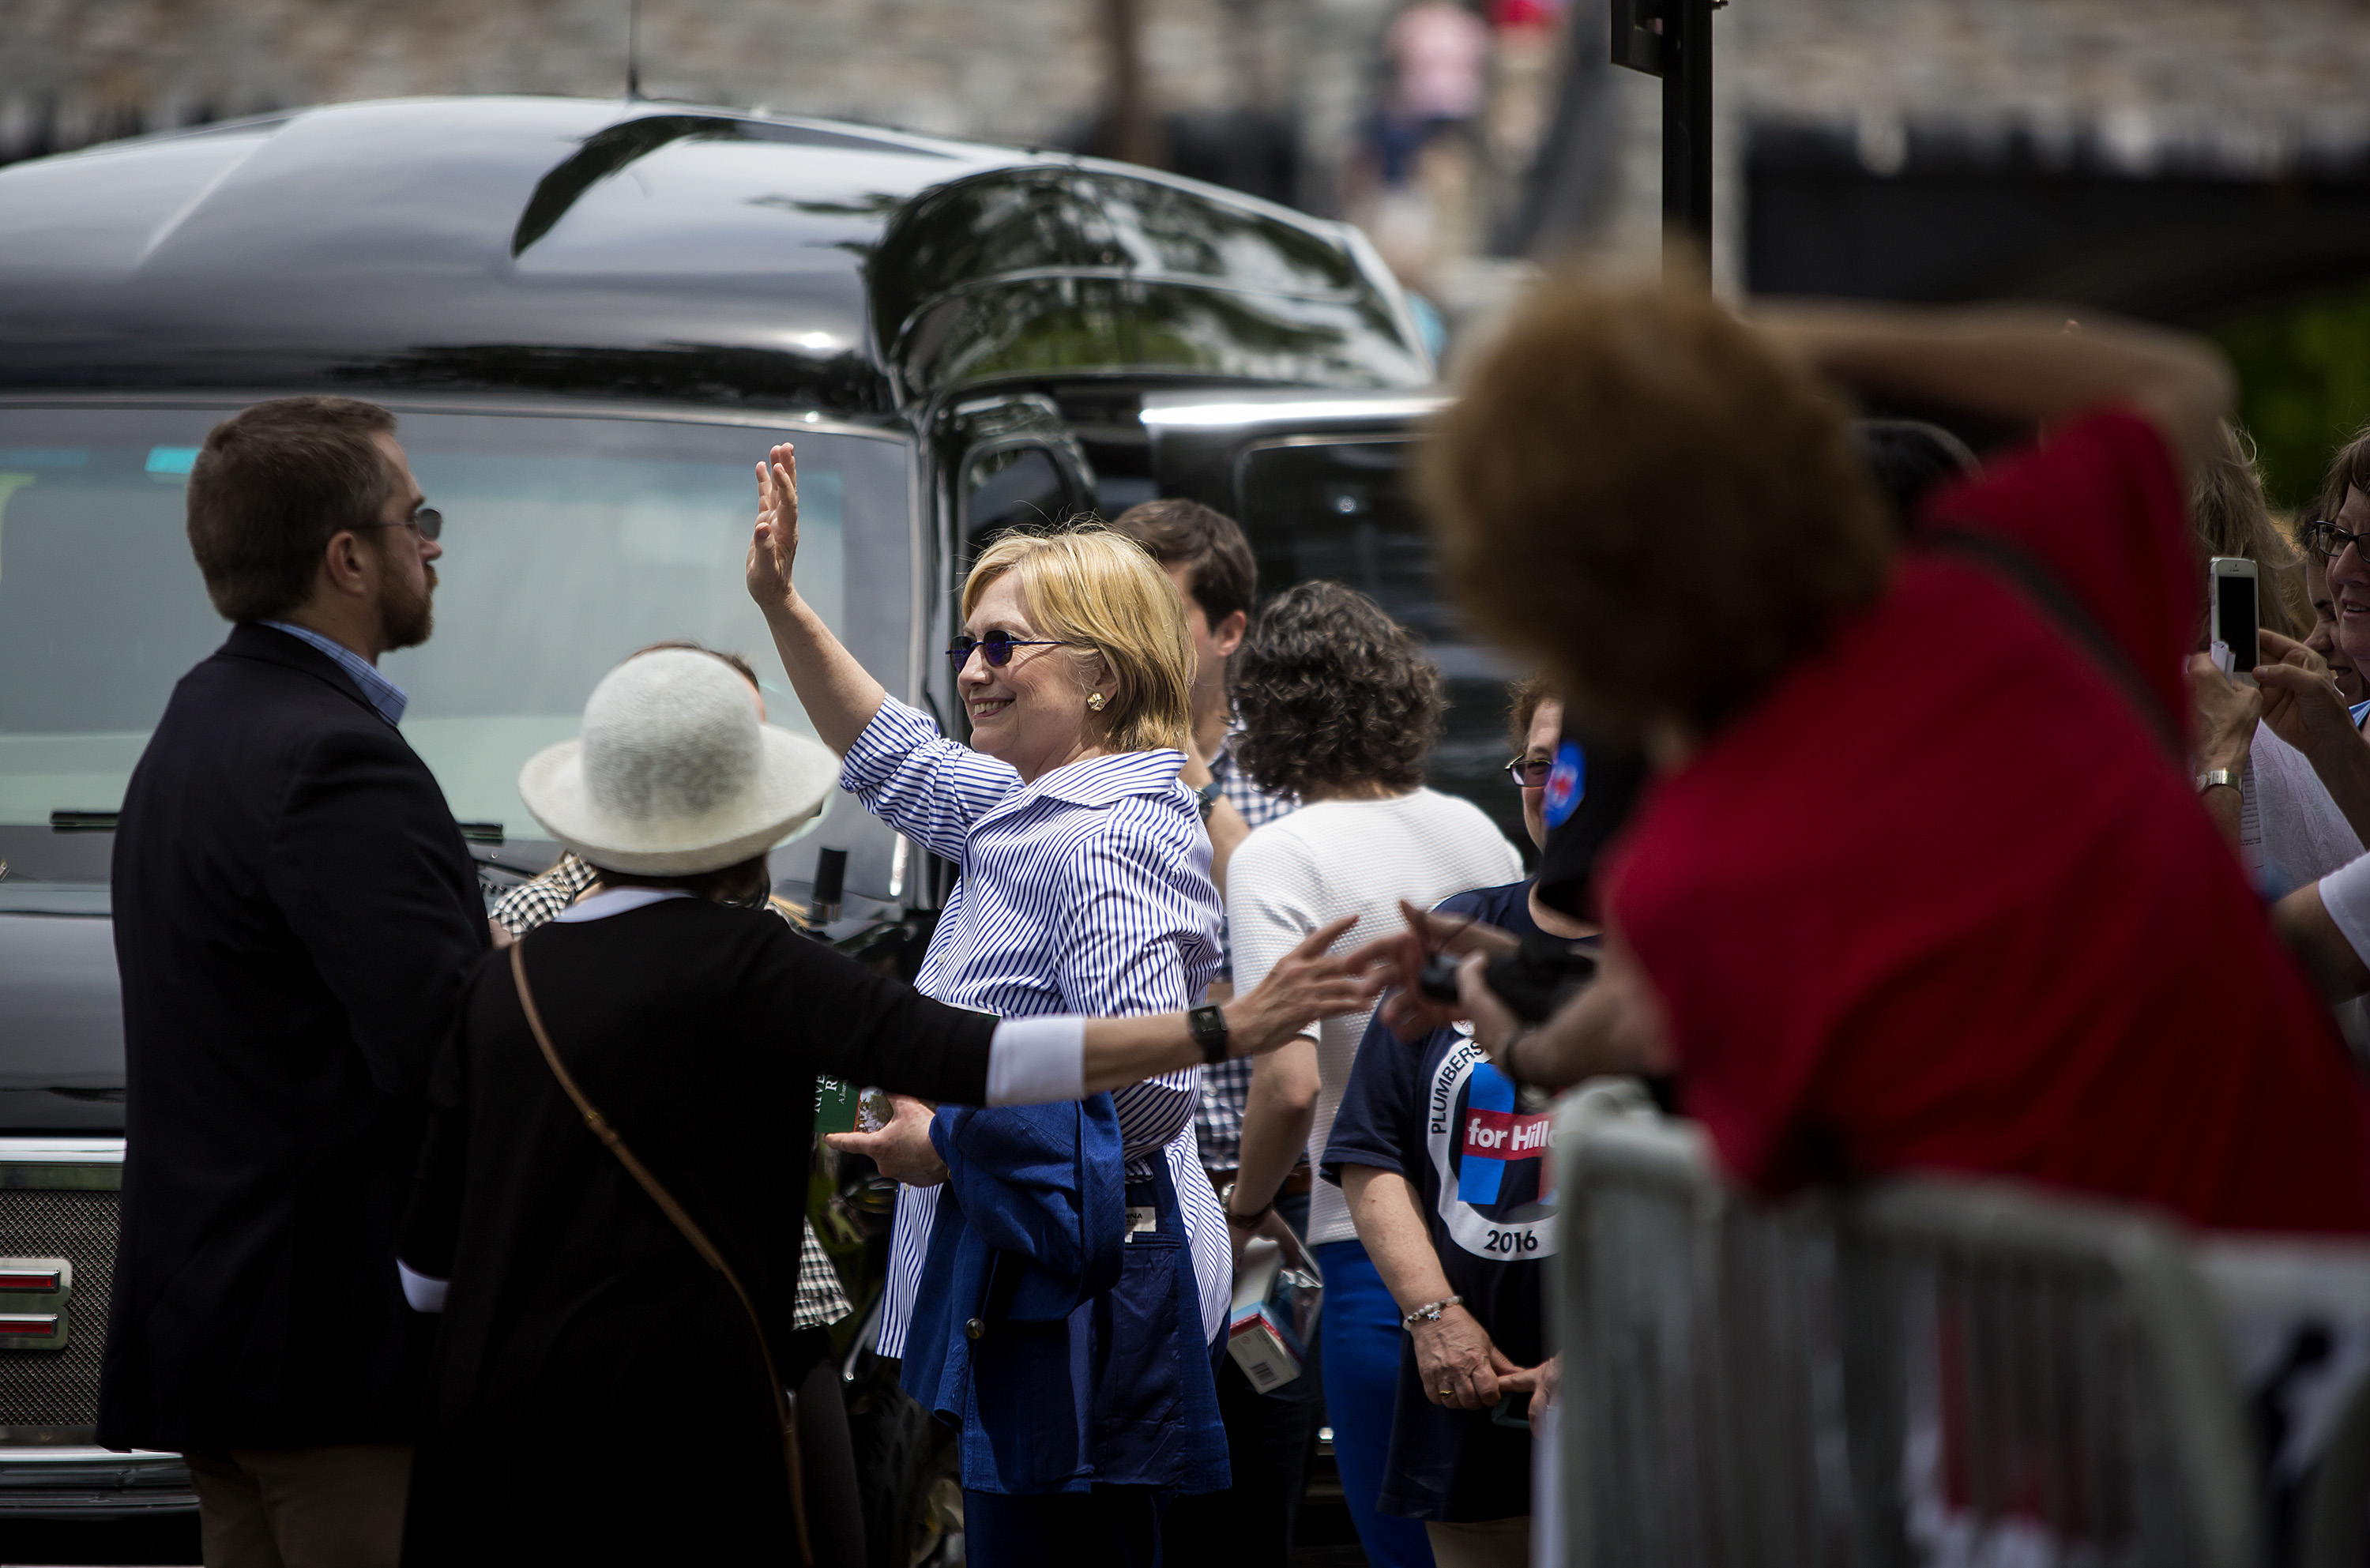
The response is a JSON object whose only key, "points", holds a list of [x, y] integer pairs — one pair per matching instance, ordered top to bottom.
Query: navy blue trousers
{"points": [[1115, 1524]]}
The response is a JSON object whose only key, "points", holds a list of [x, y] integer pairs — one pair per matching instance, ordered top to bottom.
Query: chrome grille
{"points": [[60, 1387]]}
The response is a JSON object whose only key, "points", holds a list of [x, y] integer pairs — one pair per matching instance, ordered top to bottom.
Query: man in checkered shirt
{"points": [[1267, 1434]]}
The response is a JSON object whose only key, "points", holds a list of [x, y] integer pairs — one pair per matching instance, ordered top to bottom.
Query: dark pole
{"points": [[1672, 38], [633, 48], [1687, 129], [1130, 134]]}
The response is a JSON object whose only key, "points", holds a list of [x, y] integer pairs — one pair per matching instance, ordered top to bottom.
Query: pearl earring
{"points": [[1095, 701]]}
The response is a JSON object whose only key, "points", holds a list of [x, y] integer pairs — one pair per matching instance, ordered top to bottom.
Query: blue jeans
{"points": [[1358, 1355]]}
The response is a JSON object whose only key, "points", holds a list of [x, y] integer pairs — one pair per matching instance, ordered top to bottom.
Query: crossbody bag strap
{"points": [[2058, 603], [691, 1232]]}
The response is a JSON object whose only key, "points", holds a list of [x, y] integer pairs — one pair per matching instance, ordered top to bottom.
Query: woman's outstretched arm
{"points": [[840, 698], [1039, 1060]]}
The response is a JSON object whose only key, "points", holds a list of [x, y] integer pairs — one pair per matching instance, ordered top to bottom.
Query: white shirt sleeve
{"points": [[2346, 894], [1037, 1061], [425, 1294]]}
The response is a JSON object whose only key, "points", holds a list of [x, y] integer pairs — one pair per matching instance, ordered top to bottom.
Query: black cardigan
{"points": [[592, 1376]]}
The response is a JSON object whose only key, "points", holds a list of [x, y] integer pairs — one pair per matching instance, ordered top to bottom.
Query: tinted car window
{"points": [[1019, 486], [1340, 510], [569, 544]]}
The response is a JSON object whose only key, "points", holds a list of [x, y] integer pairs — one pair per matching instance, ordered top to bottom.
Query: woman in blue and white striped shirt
{"points": [[1085, 888]]}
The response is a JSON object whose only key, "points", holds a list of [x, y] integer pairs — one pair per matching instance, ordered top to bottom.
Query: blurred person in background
{"points": [[1439, 53], [2342, 515], [2339, 517], [1204, 553], [2323, 602], [1339, 706], [2271, 804], [1084, 888], [294, 916], [2330, 921], [1861, 944], [1448, 1187]]}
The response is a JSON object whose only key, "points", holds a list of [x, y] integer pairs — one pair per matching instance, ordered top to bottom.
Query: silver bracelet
{"points": [[1429, 1312]]}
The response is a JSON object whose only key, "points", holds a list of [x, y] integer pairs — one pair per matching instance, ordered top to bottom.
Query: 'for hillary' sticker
{"points": [[1495, 1134], [1497, 1194]]}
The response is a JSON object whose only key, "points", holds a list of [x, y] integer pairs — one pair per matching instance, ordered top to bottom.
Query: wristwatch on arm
{"points": [[2217, 778], [1207, 1024]]}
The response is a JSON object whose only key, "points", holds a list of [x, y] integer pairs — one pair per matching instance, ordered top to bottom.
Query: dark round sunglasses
{"points": [[427, 520], [995, 648]]}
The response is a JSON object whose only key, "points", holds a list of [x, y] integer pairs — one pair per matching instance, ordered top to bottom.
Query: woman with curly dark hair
{"points": [[1339, 705]]}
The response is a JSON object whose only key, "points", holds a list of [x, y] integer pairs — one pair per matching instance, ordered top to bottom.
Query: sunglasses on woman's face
{"points": [[995, 648]]}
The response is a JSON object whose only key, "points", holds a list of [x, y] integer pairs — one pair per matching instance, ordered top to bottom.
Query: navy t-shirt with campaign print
{"points": [[1436, 1112]]}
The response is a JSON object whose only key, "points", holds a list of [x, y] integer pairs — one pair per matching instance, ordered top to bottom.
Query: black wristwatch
{"points": [[1205, 798], [1209, 1028]]}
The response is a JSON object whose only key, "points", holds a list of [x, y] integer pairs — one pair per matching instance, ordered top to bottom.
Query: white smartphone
{"points": [[2230, 601]]}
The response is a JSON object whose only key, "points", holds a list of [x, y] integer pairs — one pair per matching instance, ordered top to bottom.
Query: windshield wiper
{"points": [[82, 821]]}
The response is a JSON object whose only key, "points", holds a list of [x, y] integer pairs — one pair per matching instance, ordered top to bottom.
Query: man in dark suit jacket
{"points": [[294, 916]]}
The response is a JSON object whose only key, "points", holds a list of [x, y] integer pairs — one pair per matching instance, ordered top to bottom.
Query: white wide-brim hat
{"points": [[673, 774]]}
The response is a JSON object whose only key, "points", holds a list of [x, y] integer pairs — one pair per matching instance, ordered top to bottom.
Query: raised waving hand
{"points": [[773, 544], [839, 696]]}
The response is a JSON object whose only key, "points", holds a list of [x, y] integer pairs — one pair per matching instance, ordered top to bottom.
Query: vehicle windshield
{"points": [[569, 541]]}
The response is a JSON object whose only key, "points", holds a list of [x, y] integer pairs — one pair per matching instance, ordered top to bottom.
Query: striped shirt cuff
{"points": [[886, 741]]}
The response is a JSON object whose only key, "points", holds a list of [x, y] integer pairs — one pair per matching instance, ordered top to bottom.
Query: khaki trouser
{"points": [[332, 1507], [1489, 1543]]}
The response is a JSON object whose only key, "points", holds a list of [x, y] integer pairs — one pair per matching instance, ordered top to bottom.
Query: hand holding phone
{"points": [[2232, 610]]}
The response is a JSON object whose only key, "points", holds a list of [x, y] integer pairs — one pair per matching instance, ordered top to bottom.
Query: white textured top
{"points": [[2290, 831], [1360, 858]]}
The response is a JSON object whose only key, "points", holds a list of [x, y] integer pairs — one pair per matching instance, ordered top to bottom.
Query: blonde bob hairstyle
{"points": [[1086, 586]]}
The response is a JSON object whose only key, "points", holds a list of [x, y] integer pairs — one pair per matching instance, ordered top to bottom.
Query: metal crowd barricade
{"points": [[2297, 1314], [1928, 1372], [2034, 1380]]}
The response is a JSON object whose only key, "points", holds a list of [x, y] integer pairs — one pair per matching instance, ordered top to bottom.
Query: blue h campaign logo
{"points": [[1567, 783]]}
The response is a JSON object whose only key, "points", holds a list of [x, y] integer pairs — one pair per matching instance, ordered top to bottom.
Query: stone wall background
{"points": [[2252, 87]]}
